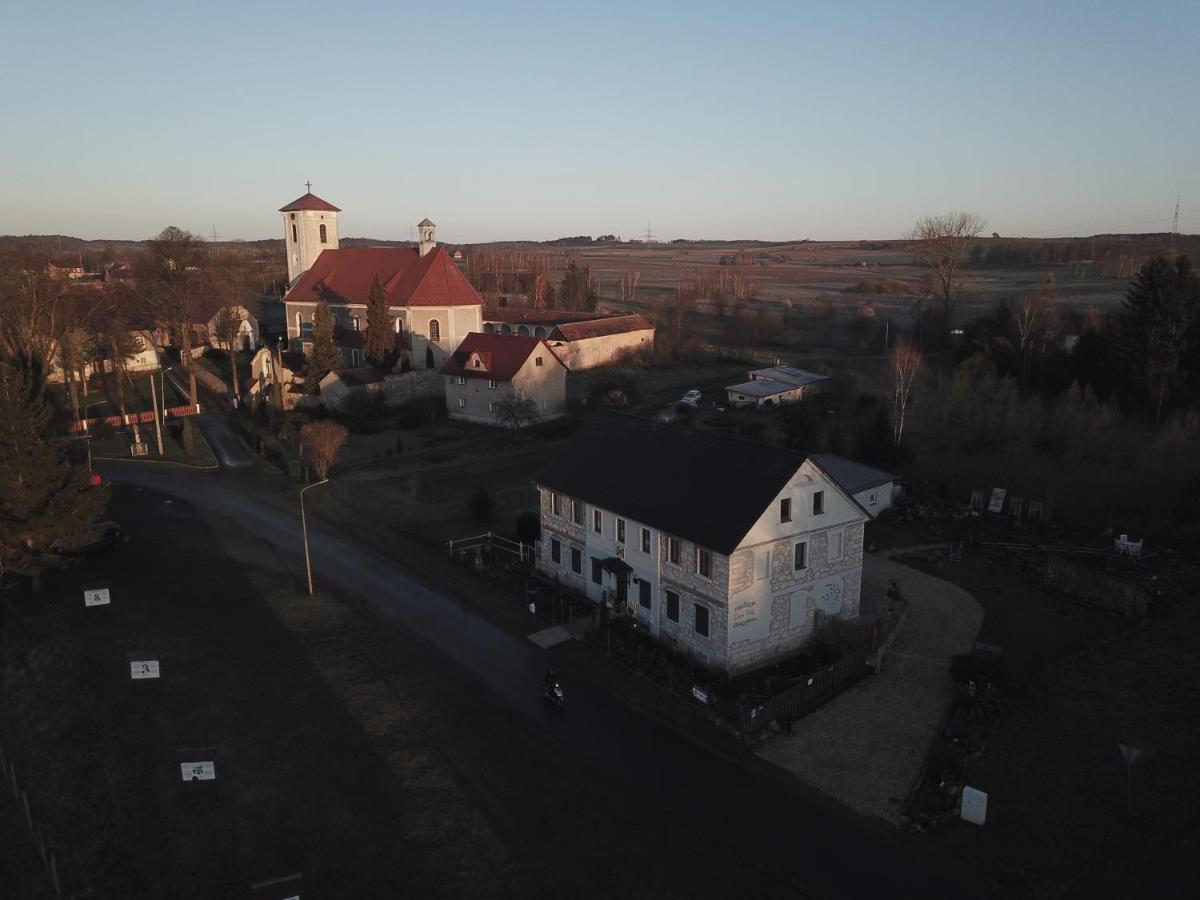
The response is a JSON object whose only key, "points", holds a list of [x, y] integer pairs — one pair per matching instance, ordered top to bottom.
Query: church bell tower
{"points": [[309, 227], [425, 231]]}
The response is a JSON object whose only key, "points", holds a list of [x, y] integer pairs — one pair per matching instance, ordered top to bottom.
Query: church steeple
{"points": [[309, 226], [425, 233]]}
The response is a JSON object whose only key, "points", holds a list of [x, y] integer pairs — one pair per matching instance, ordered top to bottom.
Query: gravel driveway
{"points": [[865, 748]]}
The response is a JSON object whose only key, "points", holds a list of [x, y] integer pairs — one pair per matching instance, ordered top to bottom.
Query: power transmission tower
{"points": [[1175, 225], [649, 233], [214, 234]]}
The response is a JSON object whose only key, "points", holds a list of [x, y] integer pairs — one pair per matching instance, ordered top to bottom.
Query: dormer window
{"points": [[478, 364]]}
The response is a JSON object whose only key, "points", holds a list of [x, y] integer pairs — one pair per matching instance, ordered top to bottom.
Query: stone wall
{"points": [[570, 534], [692, 587]]}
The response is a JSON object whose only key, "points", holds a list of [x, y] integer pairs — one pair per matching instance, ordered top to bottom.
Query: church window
{"points": [[295, 236], [323, 240], [399, 326], [435, 330]]}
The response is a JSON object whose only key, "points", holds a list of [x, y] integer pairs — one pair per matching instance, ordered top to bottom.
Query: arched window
{"points": [[295, 238], [323, 241], [399, 325], [356, 328], [489, 328], [505, 328], [435, 330], [523, 330], [539, 332]]}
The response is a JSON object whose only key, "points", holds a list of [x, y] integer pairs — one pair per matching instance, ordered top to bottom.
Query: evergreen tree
{"points": [[577, 291], [1158, 325], [381, 341], [325, 356], [45, 498]]}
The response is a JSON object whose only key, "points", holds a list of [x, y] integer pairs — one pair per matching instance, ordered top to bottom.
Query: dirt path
{"points": [[865, 748]]}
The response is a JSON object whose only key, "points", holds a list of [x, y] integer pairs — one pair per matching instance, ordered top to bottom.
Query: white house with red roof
{"points": [[431, 304], [486, 368]]}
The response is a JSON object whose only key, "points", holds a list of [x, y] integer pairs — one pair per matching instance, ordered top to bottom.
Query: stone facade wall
{"points": [[570, 534], [692, 588], [795, 596]]}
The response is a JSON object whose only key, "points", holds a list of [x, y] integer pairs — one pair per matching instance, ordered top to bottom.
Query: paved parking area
{"points": [[865, 748]]}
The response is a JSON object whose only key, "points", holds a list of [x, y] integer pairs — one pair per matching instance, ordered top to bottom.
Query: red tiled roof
{"points": [[309, 201], [409, 279], [515, 314], [578, 331], [502, 355]]}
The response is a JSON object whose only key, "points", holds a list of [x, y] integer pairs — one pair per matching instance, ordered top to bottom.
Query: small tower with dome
{"points": [[425, 232]]}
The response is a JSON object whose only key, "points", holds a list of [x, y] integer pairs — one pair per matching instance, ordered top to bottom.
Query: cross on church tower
{"points": [[308, 184]]}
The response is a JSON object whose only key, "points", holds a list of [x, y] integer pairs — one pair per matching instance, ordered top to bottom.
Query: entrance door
{"points": [[622, 591]]}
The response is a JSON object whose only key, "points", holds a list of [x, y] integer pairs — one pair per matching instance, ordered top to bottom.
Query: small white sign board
{"points": [[996, 504], [98, 596], [143, 668], [699, 694], [198, 771], [974, 806]]}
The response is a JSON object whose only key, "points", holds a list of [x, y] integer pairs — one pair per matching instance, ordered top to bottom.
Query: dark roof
{"points": [[309, 201], [409, 279], [578, 331], [500, 355], [851, 476], [703, 487]]}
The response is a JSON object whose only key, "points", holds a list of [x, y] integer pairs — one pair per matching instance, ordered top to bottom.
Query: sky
{"points": [[506, 121]]}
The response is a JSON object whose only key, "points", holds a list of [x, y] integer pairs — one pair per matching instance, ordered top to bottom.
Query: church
{"points": [[431, 304]]}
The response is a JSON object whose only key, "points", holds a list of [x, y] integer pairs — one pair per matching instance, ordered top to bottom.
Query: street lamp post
{"points": [[88, 435], [304, 526]]}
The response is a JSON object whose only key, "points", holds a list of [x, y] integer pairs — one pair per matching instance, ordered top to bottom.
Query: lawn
{"points": [[119, 446], [320, 729]]}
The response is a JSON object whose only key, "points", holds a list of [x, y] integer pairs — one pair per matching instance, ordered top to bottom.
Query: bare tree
{"points": [[942, 243], [1032, 319], [904, 365], [516, 410], [320, 443]]}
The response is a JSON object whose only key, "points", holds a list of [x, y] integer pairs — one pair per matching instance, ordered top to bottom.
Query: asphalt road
{"points": [[611, 802]]}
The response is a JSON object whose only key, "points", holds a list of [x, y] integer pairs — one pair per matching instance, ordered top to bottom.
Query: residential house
{"points": [[247, 329], [600, 341], [488, 367], [774, 386], [873, 489], [723, 548]]}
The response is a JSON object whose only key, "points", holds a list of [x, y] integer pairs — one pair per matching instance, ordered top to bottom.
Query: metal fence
{"points": [[811, 692]]}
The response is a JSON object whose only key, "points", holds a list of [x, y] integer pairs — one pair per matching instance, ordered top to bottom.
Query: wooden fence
{"points": [[137, 418], [811, 692]]}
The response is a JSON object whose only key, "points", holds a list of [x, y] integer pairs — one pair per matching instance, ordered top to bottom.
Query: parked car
{"points": [[691, 398], [100, 537]]}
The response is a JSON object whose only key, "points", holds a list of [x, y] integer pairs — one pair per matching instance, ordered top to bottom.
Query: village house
{"points": [[431, 305], [247, 329], [144, 357], [489, 367], [774, 387], [873, 489], [723, 548]]}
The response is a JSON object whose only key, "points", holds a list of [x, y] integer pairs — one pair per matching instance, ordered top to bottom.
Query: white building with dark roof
{"points": [[774, 387], [723, 548]]}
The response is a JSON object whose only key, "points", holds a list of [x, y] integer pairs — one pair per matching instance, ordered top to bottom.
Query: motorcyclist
{"points": [[550, 682]]}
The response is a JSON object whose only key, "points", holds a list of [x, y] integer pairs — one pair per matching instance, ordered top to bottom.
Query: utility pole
{"points": [[1175, 225], [157, 423], [304, 526]]}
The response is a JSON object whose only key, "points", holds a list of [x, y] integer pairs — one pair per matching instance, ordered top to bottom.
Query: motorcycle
{"points": [[553, 693]]}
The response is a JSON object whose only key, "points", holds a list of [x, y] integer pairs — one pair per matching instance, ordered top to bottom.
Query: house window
{"points": [[295, 236], [323, 240], [354, 321], [435, 330], [354, 357], [537, 360], [462, 379], [492, 383], [462, 402], [492, 406], [872, 499], [818, 503], [556, 504], [785, 510], [576, 512], [597, 521], [620, 531], [645, 540], [835, 545], [556, 550], [673, 550], [800, 556], [576, 560], [703, 562], [597, 572], [644, 593], [672, 606], [701, 620]]}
